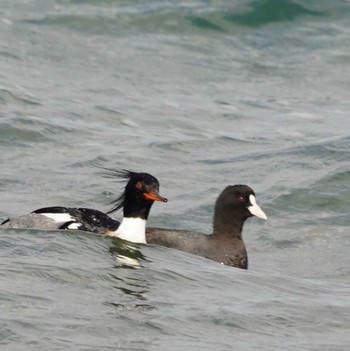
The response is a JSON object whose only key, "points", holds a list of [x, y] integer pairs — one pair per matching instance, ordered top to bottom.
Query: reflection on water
{"points": [[128, 255]]}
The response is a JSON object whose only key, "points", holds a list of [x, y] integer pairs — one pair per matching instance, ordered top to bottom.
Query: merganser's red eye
{"points": [[139, 185], [241, 199]]}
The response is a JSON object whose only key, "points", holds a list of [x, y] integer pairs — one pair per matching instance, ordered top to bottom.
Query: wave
{"points": [[270, 11], [115, 18]]}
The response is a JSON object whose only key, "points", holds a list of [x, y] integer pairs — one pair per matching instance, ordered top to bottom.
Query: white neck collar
{"points": [[131, 229]]}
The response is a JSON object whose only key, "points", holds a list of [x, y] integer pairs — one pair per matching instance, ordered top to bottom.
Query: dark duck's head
{"points": [[234, 205]]}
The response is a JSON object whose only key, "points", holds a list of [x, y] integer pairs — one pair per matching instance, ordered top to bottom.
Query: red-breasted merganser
{"points": [[137, 199], [225, 245]]}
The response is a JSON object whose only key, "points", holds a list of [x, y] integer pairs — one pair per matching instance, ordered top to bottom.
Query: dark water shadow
{"points": [[270, 11]]}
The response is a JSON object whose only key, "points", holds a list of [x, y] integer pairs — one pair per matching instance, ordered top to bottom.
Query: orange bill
{"points": [[154, 196]]}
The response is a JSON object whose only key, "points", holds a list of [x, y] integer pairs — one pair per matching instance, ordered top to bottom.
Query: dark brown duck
{"points": [[225, 245]]}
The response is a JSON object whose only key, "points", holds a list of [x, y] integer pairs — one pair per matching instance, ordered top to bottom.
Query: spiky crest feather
{"points": [[123, 175]]}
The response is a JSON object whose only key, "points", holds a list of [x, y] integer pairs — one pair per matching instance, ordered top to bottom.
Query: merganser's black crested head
{"points": [[140, 192], [234, 205]]}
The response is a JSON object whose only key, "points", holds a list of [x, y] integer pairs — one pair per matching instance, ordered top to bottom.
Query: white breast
{"points": [[131, 229]]}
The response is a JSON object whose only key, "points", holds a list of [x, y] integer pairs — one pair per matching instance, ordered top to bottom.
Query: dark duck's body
{"points": [[137, 199], [225, 245]]}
